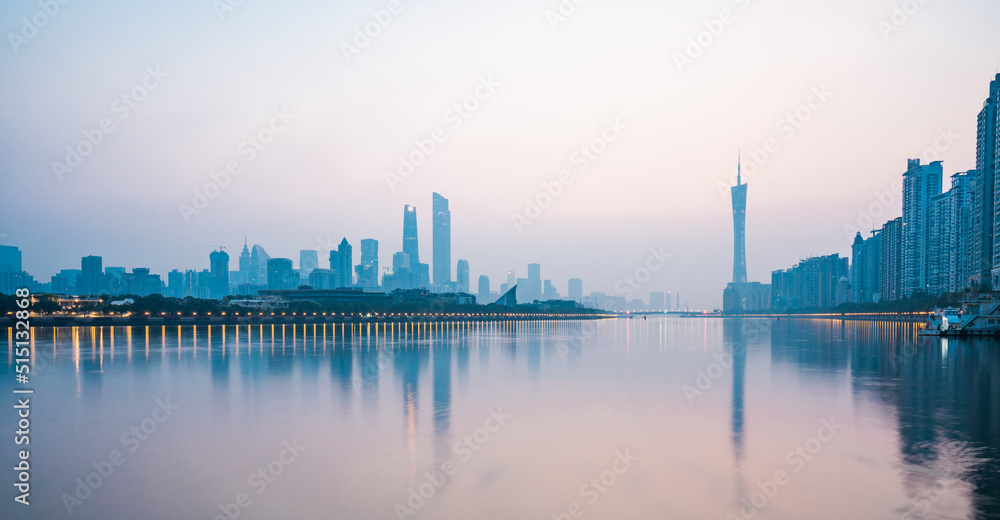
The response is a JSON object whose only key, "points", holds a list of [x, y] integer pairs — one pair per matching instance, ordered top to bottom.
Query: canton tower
{"points": [[739, 227]]}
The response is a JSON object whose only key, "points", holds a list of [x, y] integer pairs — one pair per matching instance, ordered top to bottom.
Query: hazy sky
{"points": [[219, 76]]}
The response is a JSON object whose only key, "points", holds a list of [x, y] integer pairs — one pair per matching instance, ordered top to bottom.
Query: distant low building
{"points": [[323, 296], [746, 297], [260, 303]]}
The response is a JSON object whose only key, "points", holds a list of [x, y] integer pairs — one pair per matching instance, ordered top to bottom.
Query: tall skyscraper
{"points": [[988, 167], [921, 184], [739, 194], [984, 201], [441, 240], [960, 243], [410, 245], [866, 258], [951, 258], [10, 259], [308, 260], [345, 263], [891, 263], [245, 264], [258, 266], [219, 268], [367, 270], [11, 275], [91, 275], [280, 275], [462, 275], [113, 278], [511, 280], [534, 282], [175, 284], [484, 289], [575, 289], [522, 295], [657, 301]]}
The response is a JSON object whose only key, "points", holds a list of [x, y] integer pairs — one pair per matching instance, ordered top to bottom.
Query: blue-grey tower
{"points": [[739, 227], [441, 240], [410, 245]]}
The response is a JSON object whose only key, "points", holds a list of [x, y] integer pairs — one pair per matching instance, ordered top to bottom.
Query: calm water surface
{"points": [[659, 418]]}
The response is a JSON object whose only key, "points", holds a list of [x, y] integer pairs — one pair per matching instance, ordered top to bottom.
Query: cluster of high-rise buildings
{"points": [[945, 241], [256, 272]]}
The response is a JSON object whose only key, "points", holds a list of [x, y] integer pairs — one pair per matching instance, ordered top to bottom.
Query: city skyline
{"points": [[678, 126], [524, 259], [307, 263]]}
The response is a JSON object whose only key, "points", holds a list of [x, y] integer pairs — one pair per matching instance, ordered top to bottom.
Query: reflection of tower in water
{"points": [[733, 330]]}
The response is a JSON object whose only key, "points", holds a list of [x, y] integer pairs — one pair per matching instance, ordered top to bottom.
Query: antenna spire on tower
{"points": [[739, 166]]}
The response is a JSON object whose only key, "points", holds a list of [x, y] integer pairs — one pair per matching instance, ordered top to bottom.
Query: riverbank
{"points": [[915, 317], [173, 321]]}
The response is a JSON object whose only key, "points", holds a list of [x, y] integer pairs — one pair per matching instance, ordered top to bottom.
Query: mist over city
{"points": [[188, 87], [557, 259]]}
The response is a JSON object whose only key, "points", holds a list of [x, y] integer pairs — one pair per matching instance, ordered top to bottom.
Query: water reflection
{"points": [[736, 337]]}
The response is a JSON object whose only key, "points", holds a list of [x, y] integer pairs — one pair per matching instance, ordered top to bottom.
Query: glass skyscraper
{"points": [[441, 240], [410, 245], [368, 268], [91, 275], [463, 276], [219, 280]]}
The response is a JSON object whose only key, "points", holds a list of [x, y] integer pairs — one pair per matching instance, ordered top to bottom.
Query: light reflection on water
{"points": [[406, 416]]}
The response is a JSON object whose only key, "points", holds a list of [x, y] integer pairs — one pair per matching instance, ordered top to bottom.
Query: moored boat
{"points": [[979, 316]]}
